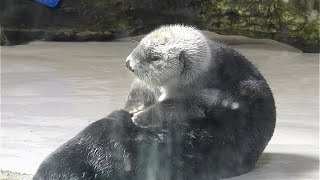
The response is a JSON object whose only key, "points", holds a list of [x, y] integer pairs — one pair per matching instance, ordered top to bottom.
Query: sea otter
{"points": [[181, 74], [198, 110]]}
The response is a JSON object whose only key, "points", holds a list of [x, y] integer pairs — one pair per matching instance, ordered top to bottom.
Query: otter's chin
{"points": [[152, 82]]}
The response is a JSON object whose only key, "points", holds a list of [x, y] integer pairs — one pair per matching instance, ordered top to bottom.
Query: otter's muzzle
{"points": [[128, 66]]}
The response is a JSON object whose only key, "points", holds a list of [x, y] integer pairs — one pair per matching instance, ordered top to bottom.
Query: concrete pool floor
{"points": [[52, 90]]}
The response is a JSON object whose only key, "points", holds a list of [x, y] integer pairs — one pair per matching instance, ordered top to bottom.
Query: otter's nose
{"points": [[128, 66]]}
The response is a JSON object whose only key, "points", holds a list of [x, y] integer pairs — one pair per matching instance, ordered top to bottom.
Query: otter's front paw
{"points": [[136, 109], [141, 119]]}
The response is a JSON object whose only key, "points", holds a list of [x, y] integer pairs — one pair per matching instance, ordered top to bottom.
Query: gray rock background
{"points": [[294, 22]]}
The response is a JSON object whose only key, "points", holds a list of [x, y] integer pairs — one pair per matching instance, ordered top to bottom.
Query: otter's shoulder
{"points": [[223, 52], [229, 65]]}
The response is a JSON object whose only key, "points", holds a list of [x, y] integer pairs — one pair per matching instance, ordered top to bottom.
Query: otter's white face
{"points": [[173, 52], [154, 61]]}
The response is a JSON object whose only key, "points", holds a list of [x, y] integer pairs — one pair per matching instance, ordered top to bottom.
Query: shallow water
{"points": [[52, 90]]}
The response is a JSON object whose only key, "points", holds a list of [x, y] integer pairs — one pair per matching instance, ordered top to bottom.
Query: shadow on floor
{"points": [[289, 162], [278, 166]]}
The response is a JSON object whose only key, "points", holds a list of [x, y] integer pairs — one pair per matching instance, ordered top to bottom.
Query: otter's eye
{"points": [[155, 58]]}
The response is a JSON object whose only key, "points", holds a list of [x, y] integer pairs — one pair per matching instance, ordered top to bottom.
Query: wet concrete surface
{"points": [[52, 90]]}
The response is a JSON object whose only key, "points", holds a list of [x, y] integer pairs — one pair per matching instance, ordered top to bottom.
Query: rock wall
{"points": [[294, 22]]}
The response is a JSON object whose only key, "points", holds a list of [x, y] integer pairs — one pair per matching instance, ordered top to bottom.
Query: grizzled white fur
{"points": [[169, 43]]}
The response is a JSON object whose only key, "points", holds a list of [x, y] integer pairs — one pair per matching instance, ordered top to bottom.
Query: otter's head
{"points": [[170, 52]]}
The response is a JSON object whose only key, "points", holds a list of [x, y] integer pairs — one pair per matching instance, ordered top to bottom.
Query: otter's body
{"points": [[184, 78], [190, 78], [199, 110]]}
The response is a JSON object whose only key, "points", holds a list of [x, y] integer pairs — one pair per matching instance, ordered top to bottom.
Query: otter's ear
{"points": [[182, 56]]}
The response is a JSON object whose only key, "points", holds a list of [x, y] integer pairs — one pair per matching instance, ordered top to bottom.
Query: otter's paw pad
{"points": [[229, 104], [139, 119]]}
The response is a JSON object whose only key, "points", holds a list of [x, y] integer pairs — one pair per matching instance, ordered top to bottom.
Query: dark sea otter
{"points": [[197, 110]]}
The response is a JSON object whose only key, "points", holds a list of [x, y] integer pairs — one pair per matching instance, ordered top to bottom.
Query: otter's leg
{"points": [[139, 98]]}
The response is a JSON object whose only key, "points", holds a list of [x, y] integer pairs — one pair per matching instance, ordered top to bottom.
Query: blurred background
{"points": [[294, 22], [63, 68]]}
